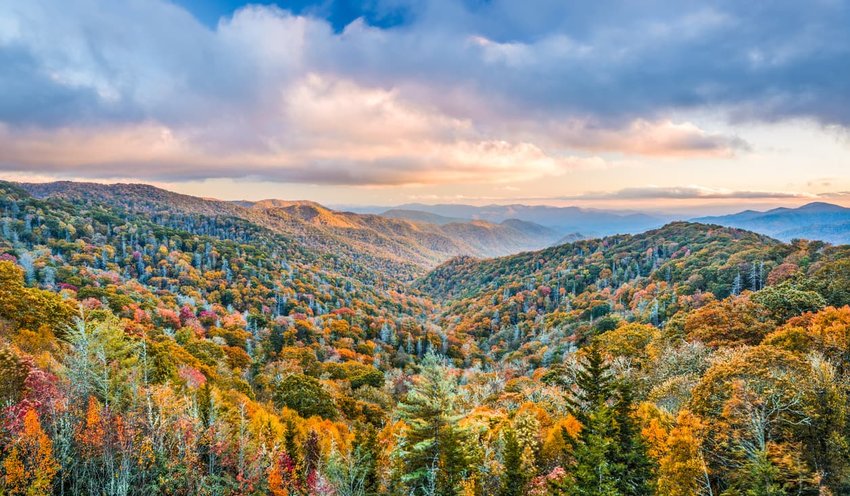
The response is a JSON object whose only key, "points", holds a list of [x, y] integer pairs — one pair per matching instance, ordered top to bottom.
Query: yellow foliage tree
{"points": [[30, 308], [827, 331], [635, 341], [655, 427], [555, 445], [681, 465]]}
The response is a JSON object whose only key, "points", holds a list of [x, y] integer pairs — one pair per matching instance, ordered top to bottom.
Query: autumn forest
{"points": [[154, 343]]}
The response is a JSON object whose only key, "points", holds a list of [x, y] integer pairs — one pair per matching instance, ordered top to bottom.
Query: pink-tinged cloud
{"points": [[507, 92], [327, 132], [655, 139]]}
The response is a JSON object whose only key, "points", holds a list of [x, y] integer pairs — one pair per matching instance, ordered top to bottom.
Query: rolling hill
{"points": [[420, 216], [424, 243], [406, 248]]}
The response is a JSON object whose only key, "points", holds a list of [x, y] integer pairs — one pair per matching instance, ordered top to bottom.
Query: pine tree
{"points": [[594, 386], [206, 413], [434, 443], [290, 447], [366, 450], [610, 455], [312, 457], [631, 458], [594, 471], [513, 480]]}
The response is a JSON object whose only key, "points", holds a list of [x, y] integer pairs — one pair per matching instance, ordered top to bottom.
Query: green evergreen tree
{"points": [[594, 386], [206, 413], [434, 445], [290, 446], [366, 449], [312, 455], [610, 456], [630, 456], [595, 472], [760, 477], [513, 479]]}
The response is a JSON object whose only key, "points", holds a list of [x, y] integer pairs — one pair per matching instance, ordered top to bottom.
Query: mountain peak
{"points": [[822, 207]]}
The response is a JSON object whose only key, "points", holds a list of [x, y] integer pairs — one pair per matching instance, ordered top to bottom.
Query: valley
{"points": [[424, 248], [283, 347]]}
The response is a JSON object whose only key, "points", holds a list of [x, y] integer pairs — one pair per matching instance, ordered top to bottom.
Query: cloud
{"points": [[495, 91], [330, 132], [655, 139], [683, 193], [838, 195]]}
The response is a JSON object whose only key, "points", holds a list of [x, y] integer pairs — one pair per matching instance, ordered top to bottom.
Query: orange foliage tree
{"points": [[730, 322], [681, 465], [30, 468]]}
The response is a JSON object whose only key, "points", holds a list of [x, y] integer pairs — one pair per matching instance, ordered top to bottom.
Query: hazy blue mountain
{"points": [[420, 216], [818, 220], [589, 222], [570, 238]]}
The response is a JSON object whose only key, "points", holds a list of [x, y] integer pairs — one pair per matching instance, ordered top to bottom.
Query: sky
{"points": [[666, 105]]}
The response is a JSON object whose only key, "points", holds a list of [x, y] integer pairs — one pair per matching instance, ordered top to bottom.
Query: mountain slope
{"points": [[135, 197], [817, 221], [424, 244], [396, 248], [618, 258], [194, 260], [552, 299]]}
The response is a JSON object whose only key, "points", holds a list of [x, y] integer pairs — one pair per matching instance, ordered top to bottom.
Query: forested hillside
{"points": [[400, 248], [154, 343]]}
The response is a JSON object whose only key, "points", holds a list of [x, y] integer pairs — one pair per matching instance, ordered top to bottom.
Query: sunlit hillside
{"points": [[152, 342]]}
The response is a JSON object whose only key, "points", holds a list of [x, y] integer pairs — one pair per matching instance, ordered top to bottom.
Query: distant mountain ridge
{"points": [[420, 216], [565, 220], [817, 221], [425, 243]]}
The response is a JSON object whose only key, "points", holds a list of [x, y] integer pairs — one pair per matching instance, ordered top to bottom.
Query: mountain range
{"points": [[817, 221], [589, 222], [416, 237], [407, 246], [287, 326]]}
